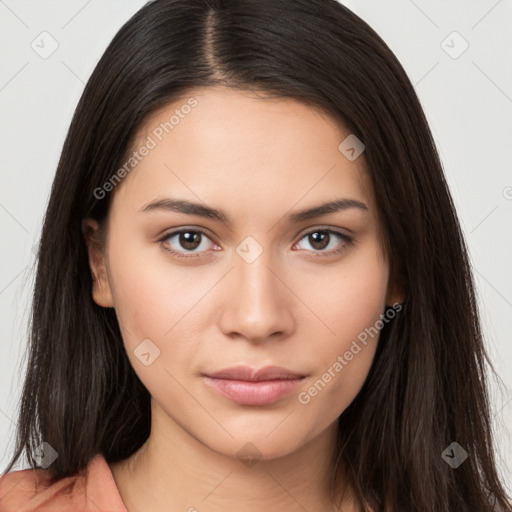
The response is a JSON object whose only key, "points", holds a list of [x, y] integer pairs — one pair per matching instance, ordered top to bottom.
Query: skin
{"points": [[257, 159]]}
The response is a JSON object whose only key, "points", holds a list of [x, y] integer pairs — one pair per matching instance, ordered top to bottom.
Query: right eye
{"points": [[185, 242]]}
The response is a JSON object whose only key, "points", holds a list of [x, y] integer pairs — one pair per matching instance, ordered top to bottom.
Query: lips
{"points": [[248, 386]]}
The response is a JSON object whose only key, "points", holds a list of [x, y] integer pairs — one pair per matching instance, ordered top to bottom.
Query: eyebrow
{"points": [[191, 208]]}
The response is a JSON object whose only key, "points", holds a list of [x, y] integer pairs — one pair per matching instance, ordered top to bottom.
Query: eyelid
{"points": [[321, 227], [176, 231]]}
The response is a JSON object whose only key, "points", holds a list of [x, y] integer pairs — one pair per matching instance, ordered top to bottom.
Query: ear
{"points": [[101, 291]]}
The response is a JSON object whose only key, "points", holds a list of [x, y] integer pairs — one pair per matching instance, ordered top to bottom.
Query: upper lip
{"points": [[251, 374]]}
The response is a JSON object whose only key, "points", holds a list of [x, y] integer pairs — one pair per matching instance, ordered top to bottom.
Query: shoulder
{"points": [[36, 490]]}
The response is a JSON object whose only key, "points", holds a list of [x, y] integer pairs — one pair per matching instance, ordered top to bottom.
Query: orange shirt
{"points": [[31, 490]]}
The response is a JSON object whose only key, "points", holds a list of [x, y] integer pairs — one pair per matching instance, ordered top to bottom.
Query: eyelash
{"points": [[346, 241]]}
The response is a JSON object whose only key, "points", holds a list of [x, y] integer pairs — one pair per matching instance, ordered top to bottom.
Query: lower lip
{"points": [[254, 393]]}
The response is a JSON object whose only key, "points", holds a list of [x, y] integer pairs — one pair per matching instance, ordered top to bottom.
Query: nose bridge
{"points": [[258, 284], [258, 304]]}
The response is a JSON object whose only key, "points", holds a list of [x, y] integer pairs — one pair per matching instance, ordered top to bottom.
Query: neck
{"points": [[175, 471]]}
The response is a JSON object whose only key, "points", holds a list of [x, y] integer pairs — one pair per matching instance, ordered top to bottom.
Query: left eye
{"points": [[320, 240]]}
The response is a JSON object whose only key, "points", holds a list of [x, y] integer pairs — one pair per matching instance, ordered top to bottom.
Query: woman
{"points": [[252, 292]]}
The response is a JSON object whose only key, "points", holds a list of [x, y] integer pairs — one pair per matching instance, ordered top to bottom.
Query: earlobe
{"points": [[101, 291], [395, 294], [394, 300]]}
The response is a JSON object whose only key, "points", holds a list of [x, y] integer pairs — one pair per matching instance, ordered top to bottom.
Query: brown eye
{"points": [[321, 239], [186, 242]]}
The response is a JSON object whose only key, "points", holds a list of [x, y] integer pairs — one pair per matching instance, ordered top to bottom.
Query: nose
{"points": [[258, 303]]}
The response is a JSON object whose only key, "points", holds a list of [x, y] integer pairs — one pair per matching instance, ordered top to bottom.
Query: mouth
{"points": [[247, 386]]}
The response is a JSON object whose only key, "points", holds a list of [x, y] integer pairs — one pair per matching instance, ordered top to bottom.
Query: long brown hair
{"points": [[427, 387]]}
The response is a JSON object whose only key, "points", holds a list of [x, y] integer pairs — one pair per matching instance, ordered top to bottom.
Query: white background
{"points": [[467, 100]]}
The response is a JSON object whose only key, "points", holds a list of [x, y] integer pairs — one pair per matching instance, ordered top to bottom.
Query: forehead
{"points": [[239, 149]]}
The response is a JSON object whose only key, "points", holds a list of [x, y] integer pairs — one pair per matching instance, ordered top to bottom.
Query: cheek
{"points": [[351, 297], [148, 299], [158, 301], [352, 309]]}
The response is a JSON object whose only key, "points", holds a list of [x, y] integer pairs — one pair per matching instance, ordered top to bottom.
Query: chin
{"points": [[251, 447]]}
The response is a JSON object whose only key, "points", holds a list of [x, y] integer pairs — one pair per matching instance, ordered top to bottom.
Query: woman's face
{"points": [[251, 281]]}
